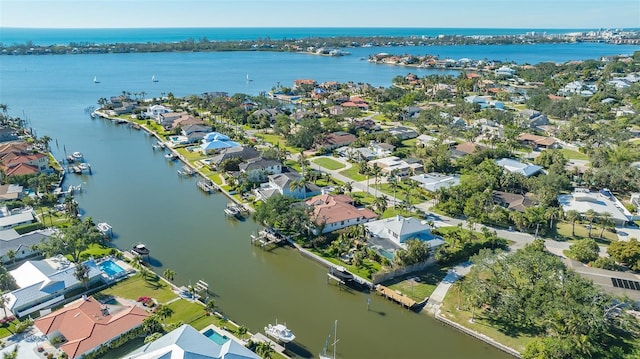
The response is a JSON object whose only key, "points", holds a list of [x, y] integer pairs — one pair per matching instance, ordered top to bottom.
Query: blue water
{"points": [[10, 36], [110, 268], [215, 337]]}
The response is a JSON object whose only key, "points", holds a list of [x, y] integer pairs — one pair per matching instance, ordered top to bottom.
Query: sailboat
{"points": [[153, 78], [248, 79], [95, 80], [324, 354]]}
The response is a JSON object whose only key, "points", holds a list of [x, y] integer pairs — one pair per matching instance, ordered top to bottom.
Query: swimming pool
{"points": [[110, 268], [215, 337]]}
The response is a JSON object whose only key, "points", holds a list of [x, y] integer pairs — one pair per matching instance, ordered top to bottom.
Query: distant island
{"points": [[322, 45]]}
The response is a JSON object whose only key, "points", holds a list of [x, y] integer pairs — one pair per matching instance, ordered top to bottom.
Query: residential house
{"points": [[504, 71], [303, 83], [578, 88], [356, 102], [155, 110], [336, 110], [410, 112], [269, 113], [533, 118], [166, 119], [184, 121], [367, 124], [195, 132], [403, 133], [8, 134], [337, 139], [424, 140], [536, 141], [214, 142], [465, 148], [382, 149], [243, 153], [356, 154], [37, 160], [396, 165], [515, 166], [258, 168], [22, 169], [434, 181], [281, 184], [10, 192], [513, 201], [603, 201], [332, 212], [16, 217], [399, 229], [22, 245], [43, 283], [86, 324], [185, 342]]}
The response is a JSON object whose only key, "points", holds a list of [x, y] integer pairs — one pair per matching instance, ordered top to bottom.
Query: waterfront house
{"points": [[504, 71], [306, 84], [155, 110], [166, 119], [195, 132], [8, 134], [337, 139], [214, 142], [243, 153], [38, 160], [515, 166], [256, 169], [434, 181], [281, 184], [10, 192], [512, 201], [603, 201], [332, 212], [399, 229], [22, 245], [44, 283], [87, 324], [186, 343]]}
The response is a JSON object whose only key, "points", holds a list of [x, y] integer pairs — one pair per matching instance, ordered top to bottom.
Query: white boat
{"points": [[153, 78], [248, 79], [95, 80], [77, 156], [170, 156], [83, 166], [105, 229], [140, 249], [279, 332], [324, 354]]}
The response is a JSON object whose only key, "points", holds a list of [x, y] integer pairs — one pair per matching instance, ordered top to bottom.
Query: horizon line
{"points": [[322, 27]]}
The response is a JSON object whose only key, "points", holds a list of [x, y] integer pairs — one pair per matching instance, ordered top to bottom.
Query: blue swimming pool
{"points": [[110, 268], [215, 337]]}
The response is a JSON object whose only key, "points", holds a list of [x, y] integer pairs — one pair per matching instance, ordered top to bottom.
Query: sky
{"points": [[535, 14]]}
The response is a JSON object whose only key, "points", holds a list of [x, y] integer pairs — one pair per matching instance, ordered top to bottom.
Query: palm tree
{"points": [[45, 141], [302, 161], [375, 171], [299, 184], [348, 187], [381, 204], [72, 207], [590, 215], [572, 216], [605, 221], [11, 255], [82, 274], [169, 274], [3, 304], [210, 307], [163, 311], [264, 349]]}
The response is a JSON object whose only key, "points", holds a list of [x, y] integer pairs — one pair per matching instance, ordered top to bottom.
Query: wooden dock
{"points": [[205, 186], [395, 296]]}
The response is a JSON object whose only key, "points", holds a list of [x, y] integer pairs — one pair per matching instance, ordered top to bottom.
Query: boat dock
{"points": [[80, 169], [186, 171], [205, 186], [268, 238], [395, 296], [259, 337]]}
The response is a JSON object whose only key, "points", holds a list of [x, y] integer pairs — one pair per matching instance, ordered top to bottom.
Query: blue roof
{"points": [[215, 136]]}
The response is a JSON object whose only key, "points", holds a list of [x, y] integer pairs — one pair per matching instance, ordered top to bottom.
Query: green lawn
{"points": [[273, 139], [574, 155], [329, 163], [353, 174], [564, 232], [97, 251], [365, 271], [135, 287], [418, 290], [186, 312], [480, 324], [8, 329]]}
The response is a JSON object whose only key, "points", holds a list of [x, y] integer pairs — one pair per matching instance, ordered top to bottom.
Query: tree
{"points": [[299, 184], [348, 187], [380, 203], [590, 215], [572, 216], [606, 221], [72, 241], [585, 250], [417, 251], [626, 252], [11, 255], [81, 273], [169, 274], [3, 303], [210, 307], [163, 311], [152, 325], [242, 330], [152, 338], [264, 349], [12, 354]]}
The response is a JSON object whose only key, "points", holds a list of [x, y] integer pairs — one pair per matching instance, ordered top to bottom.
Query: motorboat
{"points": [[77, 156], [170, 156], [233, 211], [105, 229], [140, 249], [342, 273], [279, 332]]}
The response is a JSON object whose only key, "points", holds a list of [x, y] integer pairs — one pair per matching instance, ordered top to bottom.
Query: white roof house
{"points": [[514, 166], [433, 181], [600, 202], [9, 220], [400, 229], [43, 283], [185, 343]]}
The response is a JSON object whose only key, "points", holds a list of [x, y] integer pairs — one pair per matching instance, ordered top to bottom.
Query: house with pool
{"points": [[389, 234], [45, 283], [186, 342]]}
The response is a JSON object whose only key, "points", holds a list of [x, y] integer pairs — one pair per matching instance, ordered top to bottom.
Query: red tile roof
{"points": [[22, 169], [330, 208], [85, 326]]}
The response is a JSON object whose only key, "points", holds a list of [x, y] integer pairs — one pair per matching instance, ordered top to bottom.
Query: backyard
{"points": [[329, 163]]}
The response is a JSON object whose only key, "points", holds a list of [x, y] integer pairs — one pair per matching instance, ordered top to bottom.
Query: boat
{"points": [[153, 78], [248, 79], [95, 80], [77, 156], [170, 156], [84, 166], [186, 171], [206, 186], [233, 211], [105, 229], [140, 250], [342, 274], [279, 332], [324, 354]]}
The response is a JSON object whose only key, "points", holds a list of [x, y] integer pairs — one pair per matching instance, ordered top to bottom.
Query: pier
{"points": [[205, 186], [268, 238], [395, 296]]}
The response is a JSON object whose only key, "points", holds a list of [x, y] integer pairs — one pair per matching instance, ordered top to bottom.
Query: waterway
{"points": [[139, 193]]}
